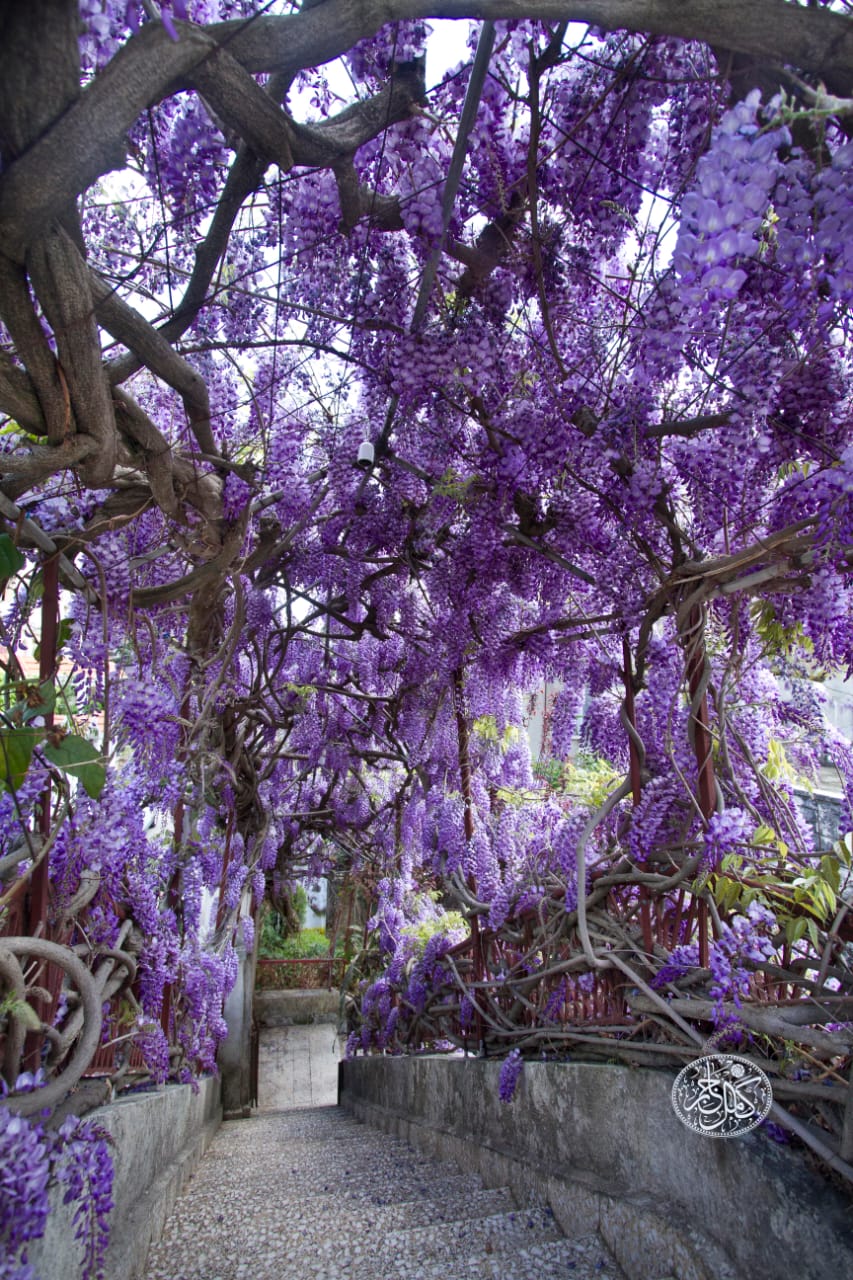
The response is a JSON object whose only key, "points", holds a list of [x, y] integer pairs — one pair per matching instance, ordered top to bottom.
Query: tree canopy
{"points": [[347, 404]]}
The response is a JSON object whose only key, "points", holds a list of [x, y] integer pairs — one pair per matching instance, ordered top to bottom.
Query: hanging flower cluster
{"points": [[37, 1162]]}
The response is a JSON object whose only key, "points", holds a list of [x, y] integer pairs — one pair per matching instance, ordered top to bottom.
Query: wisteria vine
{"points": [[311, 478]]}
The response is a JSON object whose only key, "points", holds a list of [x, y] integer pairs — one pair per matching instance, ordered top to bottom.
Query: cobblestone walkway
{"points": [[312, 1194]]}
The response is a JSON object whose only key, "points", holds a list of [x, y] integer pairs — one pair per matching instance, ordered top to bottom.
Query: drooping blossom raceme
{"points": [[722, 220], [724, 833], [743, 944], [681, 960], [510, 1074], [35, 1162], [25, 1177]]}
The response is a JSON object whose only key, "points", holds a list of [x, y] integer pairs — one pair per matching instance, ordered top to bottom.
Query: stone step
{"points": [[299, 1125], [259, 1133], [343, 1150], [365, 1162], [373, 1184], [314, 1195], [355, 1212], [358, 1214], [353, 1222], [281, 1254], [367, 1255], [580, 1259]]}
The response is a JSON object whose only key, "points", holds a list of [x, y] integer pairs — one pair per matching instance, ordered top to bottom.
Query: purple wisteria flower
{"points": [[722, 217], [724, 832], [744, 944], [681, 960], [511, 1069], [32, 1160]]}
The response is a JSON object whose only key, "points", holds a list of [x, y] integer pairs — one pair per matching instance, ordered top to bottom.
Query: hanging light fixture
{"points": [[365, 455]]}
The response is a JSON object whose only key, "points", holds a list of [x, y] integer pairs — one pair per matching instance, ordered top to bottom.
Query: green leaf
{"points": [[15, 429], [11, 560], [63, 635], [40, 702], [16, 752], [81, 760], [831, 872], [826, 898], [795, 928], [23, 1012]]}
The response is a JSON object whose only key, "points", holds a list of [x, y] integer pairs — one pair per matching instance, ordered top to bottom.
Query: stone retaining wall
{"points": [[296, 1007], [158, 1140], [604, 1147]]}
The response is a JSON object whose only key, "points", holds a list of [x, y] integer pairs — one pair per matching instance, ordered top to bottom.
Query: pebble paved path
{"points": [[309, 1193]]}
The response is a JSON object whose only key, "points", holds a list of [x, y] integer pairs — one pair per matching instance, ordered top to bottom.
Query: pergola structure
{"points": [[344, 403]]}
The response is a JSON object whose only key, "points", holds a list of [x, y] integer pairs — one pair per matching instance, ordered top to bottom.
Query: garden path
{"points": [[303, 1191], [313, 1194]]}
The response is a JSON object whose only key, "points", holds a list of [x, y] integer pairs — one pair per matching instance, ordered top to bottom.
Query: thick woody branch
{"points": [[773, 30], [243, 105], [89, 139], [322, 144], [244, 178], [359, 201], [60, 279], [148, 344], [18, 398], [52, 407], [687, 427], [43, 461], [173, 478], [31, 534], [208, 577], [766, 1021]]}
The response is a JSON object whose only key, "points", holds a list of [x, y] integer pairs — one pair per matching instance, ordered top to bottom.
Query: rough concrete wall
{"points": [[823, 814], [296, 1008], [234, 1056], [157, 1141], [604, 1146]]}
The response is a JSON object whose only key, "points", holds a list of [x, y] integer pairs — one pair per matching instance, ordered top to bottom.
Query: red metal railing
{"points": [[314, 974]]}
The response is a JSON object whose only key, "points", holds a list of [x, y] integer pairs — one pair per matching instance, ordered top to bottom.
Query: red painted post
{"points": [[703, 748], [634, 766], [37, 897], [36, 900]]}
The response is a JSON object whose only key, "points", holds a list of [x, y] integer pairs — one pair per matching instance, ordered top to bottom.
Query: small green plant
{"points": [[26, 702], [587, 777], [426, 929], [308, 944], [12, 1006]]}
